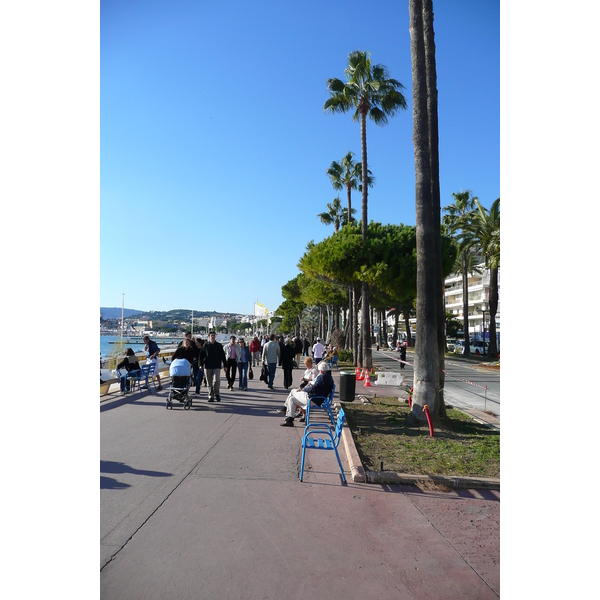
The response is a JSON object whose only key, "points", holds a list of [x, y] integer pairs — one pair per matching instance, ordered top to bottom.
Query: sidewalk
{"points": [[207, 503]]}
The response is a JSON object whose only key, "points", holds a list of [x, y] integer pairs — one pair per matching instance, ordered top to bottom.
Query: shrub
{"points": [[345, 355]]}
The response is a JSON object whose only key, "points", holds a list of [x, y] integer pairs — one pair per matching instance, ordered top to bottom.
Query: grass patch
{"points": [[460, 446]]}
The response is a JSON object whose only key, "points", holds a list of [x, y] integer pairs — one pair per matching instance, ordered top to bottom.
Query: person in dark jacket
{"points": [[305, 347], [298, 350], [184, 351], [152, 353], [402, 354], [211, 357], [287, 362], [131, 364], [196, 365], [321, 386]]}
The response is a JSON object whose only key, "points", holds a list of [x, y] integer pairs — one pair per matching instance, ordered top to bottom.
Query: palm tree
{"points": [[370, 93], [348, 174], [334, 214], [457, 219], [485, 228], [426, 365]]}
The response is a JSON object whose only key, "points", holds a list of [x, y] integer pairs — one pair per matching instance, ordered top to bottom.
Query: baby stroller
{"points": [[180, 371]]}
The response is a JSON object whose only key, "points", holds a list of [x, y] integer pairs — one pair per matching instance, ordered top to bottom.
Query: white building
{"points": [[479, 294]]}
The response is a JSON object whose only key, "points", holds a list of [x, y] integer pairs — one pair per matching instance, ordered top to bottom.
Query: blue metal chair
{"points": [[147, 374], [327, 404], [329, 442]]}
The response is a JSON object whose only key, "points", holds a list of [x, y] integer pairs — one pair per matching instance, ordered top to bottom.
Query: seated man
{"points": [[321, 386]]}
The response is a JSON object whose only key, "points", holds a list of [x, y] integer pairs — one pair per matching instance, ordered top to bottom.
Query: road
{"points": [[465, 385]]}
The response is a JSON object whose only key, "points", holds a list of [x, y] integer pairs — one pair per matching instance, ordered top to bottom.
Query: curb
{"points": [[360, 475], [390, 477]]}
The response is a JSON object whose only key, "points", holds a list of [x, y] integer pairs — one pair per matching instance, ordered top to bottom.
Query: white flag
{"points": [[260, 310]]}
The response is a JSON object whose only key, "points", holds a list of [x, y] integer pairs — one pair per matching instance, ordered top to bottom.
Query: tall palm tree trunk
{"points": [[432, 117], [349, 189], [465, 284], [493, 310], [355, 325], [365, 326], [426, 368]]}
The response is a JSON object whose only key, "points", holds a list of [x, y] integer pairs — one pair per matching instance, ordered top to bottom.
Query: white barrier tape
{"points": [[400, 361], [485, 387]]}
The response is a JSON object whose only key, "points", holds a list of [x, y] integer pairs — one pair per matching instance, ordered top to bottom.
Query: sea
{"points": [[107, 342]]}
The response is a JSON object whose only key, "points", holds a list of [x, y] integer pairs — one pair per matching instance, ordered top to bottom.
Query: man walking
{"points": [[255, 349], [318, 351], [152, 352], [233, 355], [211, 357], [270, 357]]}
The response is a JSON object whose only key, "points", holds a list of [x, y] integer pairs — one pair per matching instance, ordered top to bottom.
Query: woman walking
{"points": [[243, 362]]}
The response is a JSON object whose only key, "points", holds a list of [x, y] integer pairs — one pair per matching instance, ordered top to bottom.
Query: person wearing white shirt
{"points": [[318, 351]]}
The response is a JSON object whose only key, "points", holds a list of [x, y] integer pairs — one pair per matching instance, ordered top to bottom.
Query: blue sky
{"points": [[214, 140]]}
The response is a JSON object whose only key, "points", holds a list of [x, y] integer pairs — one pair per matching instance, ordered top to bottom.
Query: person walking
{"points": [[305, 346], [255, 349], [298, 350], [184, 351], [318, 351], [152, 352], [232, 354], [402, 354], [211, 357], [270, 357], [243, 362], [287, 362], [197, 366]]}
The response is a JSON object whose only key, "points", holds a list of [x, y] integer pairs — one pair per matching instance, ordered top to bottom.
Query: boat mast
{"points": [[122, 311]]}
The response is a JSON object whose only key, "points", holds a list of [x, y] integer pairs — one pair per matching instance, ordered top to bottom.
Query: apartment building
{"points": [[479, 294]]}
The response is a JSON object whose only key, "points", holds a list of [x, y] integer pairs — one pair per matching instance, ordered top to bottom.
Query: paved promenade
{"points": [[207, 504]]}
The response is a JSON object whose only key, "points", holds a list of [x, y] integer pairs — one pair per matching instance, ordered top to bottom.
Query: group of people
{"points": [[237, 359], [129, 368]]}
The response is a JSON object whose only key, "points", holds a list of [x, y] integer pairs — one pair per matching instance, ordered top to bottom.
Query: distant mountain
{"points": [[115, 313], [163, 315]]}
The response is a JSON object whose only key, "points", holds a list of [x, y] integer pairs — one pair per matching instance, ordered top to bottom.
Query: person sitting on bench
{"points": [[319, 390]]}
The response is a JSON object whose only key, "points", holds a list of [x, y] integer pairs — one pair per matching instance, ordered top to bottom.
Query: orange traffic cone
{"points": [[357, 373], [361, 376], [367, 380]]}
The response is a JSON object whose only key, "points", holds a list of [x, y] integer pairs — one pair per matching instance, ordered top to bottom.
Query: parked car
{"points": [[450, 344], [459, 347], [476, 347]]}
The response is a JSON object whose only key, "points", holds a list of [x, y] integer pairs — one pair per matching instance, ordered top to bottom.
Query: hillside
{"points": [[162, 315]]}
